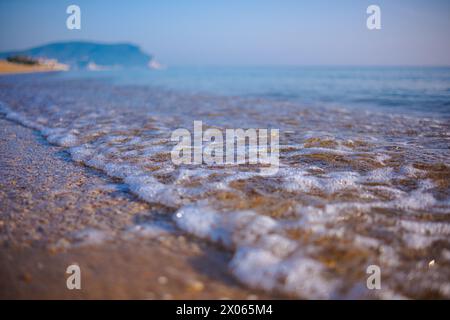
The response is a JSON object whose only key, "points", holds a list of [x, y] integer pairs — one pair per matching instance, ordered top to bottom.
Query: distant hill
{"points": [[88, 55]]}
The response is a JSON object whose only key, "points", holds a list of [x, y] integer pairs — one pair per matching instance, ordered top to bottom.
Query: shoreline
{"points": [[55, 213]]}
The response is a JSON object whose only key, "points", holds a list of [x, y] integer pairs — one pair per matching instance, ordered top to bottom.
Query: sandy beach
{"points": [[49, 208]]}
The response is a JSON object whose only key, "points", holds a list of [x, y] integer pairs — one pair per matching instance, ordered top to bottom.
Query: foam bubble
{"points": [[151, 190], [91, 237], [302, 276]]}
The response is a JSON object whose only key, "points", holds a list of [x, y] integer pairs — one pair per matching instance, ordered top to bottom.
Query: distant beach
{"points": [[14, 68]]}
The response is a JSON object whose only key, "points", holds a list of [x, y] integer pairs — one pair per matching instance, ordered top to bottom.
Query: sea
{"points": [[363, 177]]}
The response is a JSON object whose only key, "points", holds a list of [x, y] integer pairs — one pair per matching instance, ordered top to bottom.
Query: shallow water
{"points": [[356, 186]]}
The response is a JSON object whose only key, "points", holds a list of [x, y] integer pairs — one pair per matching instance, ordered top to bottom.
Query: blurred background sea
{"points": [[407, 90]]}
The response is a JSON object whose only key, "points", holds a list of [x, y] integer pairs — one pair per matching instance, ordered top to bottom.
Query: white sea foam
{"points": [[81, 153], [383, 175], [301, 180], [417, 200], [203, 222], [426, 228], [90, 237], [261, 254], [296, 275]]}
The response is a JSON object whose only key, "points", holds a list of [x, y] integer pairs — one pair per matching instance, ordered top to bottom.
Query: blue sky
{"points": [[243, 32]]}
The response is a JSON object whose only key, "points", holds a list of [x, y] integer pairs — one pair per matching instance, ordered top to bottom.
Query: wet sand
{"points": [[55, 213]]}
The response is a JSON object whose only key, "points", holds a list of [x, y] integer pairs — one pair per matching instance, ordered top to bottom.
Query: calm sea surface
{"points": [[398, 89]]}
